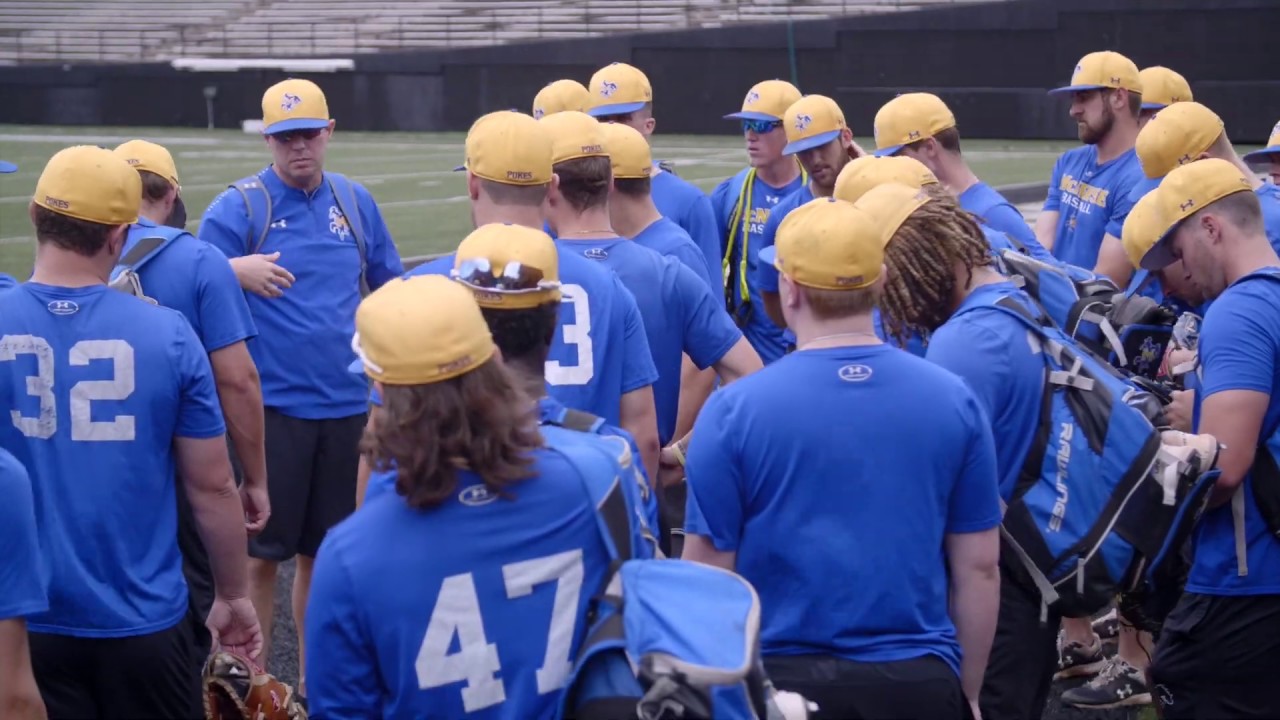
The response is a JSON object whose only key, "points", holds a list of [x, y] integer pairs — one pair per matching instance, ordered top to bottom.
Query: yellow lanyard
{"points": [[740, 218]]}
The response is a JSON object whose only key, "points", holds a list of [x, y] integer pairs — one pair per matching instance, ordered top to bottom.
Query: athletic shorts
{"points": [[311, 480], [1024, 655], [1217, 658], [146, 676], [923, 688]]}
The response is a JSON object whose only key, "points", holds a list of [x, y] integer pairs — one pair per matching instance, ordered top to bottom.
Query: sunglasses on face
{"points": [[620, 119], [760, 127], [289, 136], [515, 277]]}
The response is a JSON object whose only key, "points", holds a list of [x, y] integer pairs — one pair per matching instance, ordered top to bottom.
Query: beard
{"points": [[1093, 134]]}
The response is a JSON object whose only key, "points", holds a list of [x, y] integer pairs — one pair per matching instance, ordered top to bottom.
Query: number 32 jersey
{"points": [[96, 384]]}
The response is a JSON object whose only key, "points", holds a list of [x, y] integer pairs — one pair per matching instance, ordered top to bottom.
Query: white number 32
{"points": [[41, 385]]}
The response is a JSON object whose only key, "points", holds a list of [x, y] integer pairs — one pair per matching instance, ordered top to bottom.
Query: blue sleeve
{"points": [[719, 199], [1124, 200], [1053, 201], [1006, 218], [700, 223], [225, 224], [546, 228], [384, 259], [693, 259], [765, 276], [6, 281], [224, 312], [709, 332], [1237, 350], [978, 356], [638, 370], [375, 397], [199, 413], [975, 500], [716, 504], [22, 590], [342, 679]]}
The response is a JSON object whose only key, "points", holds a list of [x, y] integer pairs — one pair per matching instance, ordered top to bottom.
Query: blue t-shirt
{"points": [[1269, 198], [1093, 201], [684, 204], [997, 213], [667, 238], [195, 279], [7, 281], [680, 315], [766, 337], [303, 345], [1239, 348], [989, 349], [600, 351], [101, 383], [839, 517], [22, 576], [488, 629]]}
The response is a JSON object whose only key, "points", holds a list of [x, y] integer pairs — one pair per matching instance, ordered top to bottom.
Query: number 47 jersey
{"points": [[96, 384]]}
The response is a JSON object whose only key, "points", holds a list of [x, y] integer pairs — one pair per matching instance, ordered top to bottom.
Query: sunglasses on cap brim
{"points": [[760, 127], [515, 277]]}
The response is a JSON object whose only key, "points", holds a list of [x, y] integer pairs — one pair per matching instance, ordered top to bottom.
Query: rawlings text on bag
{"points": [[124, 277]]}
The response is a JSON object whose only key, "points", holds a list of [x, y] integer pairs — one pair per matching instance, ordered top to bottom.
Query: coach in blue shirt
{"points": [[314, 408], [874, 555]]}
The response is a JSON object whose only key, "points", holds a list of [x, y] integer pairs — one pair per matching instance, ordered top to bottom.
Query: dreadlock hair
{"points": [[922, 257]]}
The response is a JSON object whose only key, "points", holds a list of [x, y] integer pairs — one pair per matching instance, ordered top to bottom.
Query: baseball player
{"points": [[1161, 87], [559, 96], [1269, 156], [1089, 191], [109, 395], [22, 591], [879, 598], [492, 626]]}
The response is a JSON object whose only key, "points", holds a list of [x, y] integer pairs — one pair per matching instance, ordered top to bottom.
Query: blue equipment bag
{"points": [[124, 276]]}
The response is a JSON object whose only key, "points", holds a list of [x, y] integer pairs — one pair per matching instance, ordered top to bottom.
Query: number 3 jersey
{"points": [[96, 385], [474, 608]]}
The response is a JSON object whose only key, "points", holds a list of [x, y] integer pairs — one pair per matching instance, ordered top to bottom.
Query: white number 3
{"points": [[40, 385], [457, 611]]}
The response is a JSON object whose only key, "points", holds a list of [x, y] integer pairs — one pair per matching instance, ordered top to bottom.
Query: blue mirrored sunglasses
{"points": [[760, 127]]}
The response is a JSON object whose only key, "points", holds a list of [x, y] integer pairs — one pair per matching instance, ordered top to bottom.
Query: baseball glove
{"points": [[235, 688]]}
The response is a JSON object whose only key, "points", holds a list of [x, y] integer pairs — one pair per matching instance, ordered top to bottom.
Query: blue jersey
{"points": [[1269, 198], [1092, 200], [684, 204], [997, 213], [667, 238], [196, 280], [7, 281], [680, 315], [315, 319], [764, 335], [1240, 350], [990, 351], [600, 352], [100, 384], [847, 563], [22, 577], [489, 629]]}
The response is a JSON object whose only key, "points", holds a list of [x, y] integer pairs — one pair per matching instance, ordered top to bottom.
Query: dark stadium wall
{"points": [[992, 62]]}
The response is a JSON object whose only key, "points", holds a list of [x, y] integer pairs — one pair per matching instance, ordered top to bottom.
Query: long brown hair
{"points": [[480, 421]]}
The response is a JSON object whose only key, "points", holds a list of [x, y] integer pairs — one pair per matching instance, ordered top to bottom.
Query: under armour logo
{"points": [[1114, 80], [913, 135], [1184, 159], [1186, 205], [280, 224]]}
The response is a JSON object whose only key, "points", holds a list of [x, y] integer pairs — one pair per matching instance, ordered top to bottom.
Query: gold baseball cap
{"points": [[1104, 69], [1162, 87], [618, 89], [559, 96], [766, 101], [294, 104], [910, 118], [810, 122], [574, 135], [1176, 136], [510, 148], [1272, 148], [629, 153], [143, 155], [868, 171], [92, 184], [1185, 191], [889, 205], [1142, 228], [827, 244], [508, 267], [419, 330]]}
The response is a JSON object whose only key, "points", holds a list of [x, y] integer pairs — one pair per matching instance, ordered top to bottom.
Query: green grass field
{"points": [[411, 175]]}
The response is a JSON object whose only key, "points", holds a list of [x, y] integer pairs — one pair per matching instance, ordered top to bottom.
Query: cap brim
{"points": [[1075, 88], [1154, 106], [617, 109], [745, 115], [295, 124], [810, 143], [887, 151], [1260, 154], [7, 167], [460, 168], [768, 255], [1160, 255]]}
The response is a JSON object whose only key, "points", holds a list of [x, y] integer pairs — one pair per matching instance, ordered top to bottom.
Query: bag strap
{"points": [[349, 206], [257, 208], [580, 421]]}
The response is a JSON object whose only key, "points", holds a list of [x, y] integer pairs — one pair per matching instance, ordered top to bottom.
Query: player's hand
{"points": [[259, 274], [1175, 357], [1180, 409], [670, 468], [257, 506], [234, 625], [973, 707]]}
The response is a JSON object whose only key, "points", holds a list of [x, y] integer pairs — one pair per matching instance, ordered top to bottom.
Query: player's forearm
{"points": [[1046, 227], [695, 387], [241, 398], [219, 518], [975, 606], [19, 696]]}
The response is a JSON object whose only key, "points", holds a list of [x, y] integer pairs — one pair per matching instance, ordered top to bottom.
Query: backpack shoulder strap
{"points": [[344, 193], [257, 207], [124, 276], [580, 421], [613, 516]]}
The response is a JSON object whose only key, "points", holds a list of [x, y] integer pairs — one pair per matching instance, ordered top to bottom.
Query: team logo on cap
{"points": [[607, 88], [753, 97], [290, 102], [538, 113], [803, 122], [133, 161], [519, 175], [56, 203], [63, 307], [854, 373]]}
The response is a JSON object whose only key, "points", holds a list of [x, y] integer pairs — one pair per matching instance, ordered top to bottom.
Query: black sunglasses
{"points": [[288, 136], [515, 277]]}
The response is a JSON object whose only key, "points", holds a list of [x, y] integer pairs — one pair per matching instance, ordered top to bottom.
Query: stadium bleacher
{"points": [[34, 31]]}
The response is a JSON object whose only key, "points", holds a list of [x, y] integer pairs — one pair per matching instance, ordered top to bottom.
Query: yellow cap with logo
{"points": [[1104, 69], [1162, 87], [618, 89], [559, 96], [767, 101], [294, 104], [910, 118], [810, 122], [574, 135], [1176, 136], [508, 147], [1272, 148], [629, 152], [143, 155], [868, 171], [92, 184], [1185, 191], [889, 205], [1142, 228], [827, 244], [508, 267], [420, 330]]}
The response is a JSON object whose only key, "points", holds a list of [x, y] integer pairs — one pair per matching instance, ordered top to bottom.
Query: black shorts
{"points": [[311, 479], [1024, 655], [1217, 658], [147, 676], [925, 687]]}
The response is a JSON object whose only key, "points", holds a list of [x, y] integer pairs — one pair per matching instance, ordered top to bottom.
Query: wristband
{"points": [[678, 452]]}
